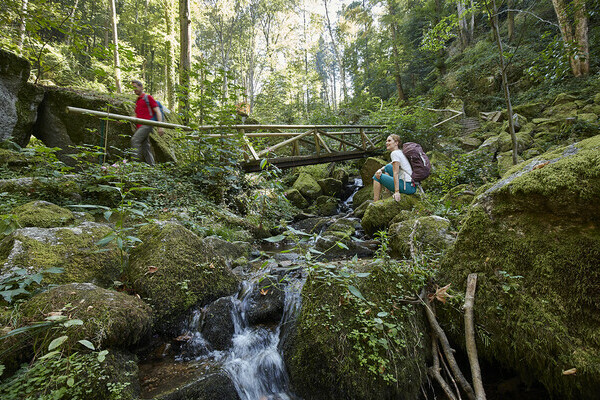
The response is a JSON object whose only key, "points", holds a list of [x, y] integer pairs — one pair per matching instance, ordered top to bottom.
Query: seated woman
{"points": [[396, 176]]}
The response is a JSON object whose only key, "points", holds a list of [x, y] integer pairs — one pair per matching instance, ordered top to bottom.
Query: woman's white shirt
{"points": [[405, 168]]}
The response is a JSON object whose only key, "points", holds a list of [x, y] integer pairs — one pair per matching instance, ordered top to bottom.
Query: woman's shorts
{"points": [[388, 182]]}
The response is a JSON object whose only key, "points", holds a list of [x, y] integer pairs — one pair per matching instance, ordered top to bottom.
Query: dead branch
{"points": [[470, 337], [448, 352], [434, 371]]}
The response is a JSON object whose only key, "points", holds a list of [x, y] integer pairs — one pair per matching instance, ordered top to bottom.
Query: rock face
{"points": [[18, 99], [307, 186], [379, 214], [43, 215], [533, 239], [73, 249], [187, 272], [267, 302], [218, 326], [326, 356], [209, 387]]}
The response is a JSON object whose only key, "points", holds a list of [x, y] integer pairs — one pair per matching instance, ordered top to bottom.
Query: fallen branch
{"points": [[470, 337], [448, 352], [434, 371]]}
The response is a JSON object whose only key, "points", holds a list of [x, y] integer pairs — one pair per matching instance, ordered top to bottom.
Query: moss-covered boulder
{"points": [[529, 110], [524, 141], [505, 161], [368, 169], [340, 175], [307, 186], [330, 187], [64, 188], [363, 194], [459, 197], [296, 198], [325, 205], [379, 214], [43, 215], [425, 235], [534, 240], [73, 249], [173, 269], [110, 319], [346, 348], [79, 376], [211, 386]]}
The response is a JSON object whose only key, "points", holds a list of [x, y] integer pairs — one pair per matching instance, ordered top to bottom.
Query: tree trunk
{"points": [[493, 14], [511, 20], [462, 24], [22, 28], [70, 35], [574, 35], [115, 37], [170, 49], [336, 52], [185, 59], [397, 78], [470, 337]]}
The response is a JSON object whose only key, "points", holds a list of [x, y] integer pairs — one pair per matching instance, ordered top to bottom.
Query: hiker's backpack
{"points": [[160, 107], [419, 162]]}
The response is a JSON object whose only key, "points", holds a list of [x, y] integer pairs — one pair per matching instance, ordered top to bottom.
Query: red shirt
{"points": [[141, 107]]}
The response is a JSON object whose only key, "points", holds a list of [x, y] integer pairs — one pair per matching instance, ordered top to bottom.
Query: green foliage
{"points": [[552, 63], [474, 168], [19, 283]]}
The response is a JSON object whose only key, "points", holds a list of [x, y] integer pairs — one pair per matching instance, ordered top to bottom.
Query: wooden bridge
{"points": [[284, 146], [287, 146]]}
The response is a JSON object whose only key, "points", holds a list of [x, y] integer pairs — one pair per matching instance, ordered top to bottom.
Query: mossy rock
{"points": [[564, 98], [529, 110], [587, 117], [524, 142], [469, 143], [15, 160], [505, 162], [368, 169], [317, 171], [341, 176], [307, 186], [330, 187], [63, 188], [363, 194], [459, 196], [296, 198], [325, 205], [380, 213], [43, 215], [345, 226], [429, 235], [534, 242], [73, 249], [174, 270], [110, 319], [337, 350], [116, 376]]}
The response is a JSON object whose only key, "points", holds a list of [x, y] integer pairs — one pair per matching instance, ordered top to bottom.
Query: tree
{"points": [[392, 9], [573, 23], [115, 37], [170, 50], [185, 58]]}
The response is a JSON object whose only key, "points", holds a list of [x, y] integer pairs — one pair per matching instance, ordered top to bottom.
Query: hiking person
{"points": [[145, 108], [395, 176]]}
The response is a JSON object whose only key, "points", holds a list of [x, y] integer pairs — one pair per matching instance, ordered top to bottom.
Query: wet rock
{"points": [[19, 100], [340, 175], [307, 186], [65, 187], [363, 194], [296, 198], [42, 214], [312, 225], [532, 238], [333, 246], [73, 249], [229, 251], [186, 271], [266, 302], [218, 328], [207, 387]]}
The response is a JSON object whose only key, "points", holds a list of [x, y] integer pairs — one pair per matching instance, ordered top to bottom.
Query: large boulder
{"points": [[19, 100], [57, 127], [368, 169], [307, 186], [331, 187], [379, 214], [423, 235], [533, 239], [74, 249], [173, 270], [266, 301], [110, 318], [218, 328], [342, 345], [206, 387]]}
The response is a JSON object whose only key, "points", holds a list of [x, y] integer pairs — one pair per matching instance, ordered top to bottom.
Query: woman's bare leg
{"points": [[376, 190]]}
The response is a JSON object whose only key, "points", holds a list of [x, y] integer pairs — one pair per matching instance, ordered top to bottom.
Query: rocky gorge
{"points": [[168, 314]]}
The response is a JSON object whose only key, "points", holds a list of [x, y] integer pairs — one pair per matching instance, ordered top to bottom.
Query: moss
{"points": [[368, 169], [307, 186], [296, 198], [325, 205], [43, 214], [379, 214], [428, 235], [534, 241], [73, 249], [188, 273], [110, 318], [339, 351]]}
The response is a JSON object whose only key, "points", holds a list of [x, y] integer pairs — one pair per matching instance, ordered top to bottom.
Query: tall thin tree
{"points": [[115, 38], [185, 58]]}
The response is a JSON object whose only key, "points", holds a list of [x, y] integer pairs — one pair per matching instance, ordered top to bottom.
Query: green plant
{"points": [[19, 283]]}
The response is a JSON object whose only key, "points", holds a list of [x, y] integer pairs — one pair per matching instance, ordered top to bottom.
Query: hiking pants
{"points": [[141, 142], [387, 180]]}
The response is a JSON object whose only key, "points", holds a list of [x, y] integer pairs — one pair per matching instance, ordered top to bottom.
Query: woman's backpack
{"points": [[419, 162]]}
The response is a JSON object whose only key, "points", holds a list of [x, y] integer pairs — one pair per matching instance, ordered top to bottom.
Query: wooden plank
{"points": [[118, 117], [446, 120], [310, 127], [342, 141], [285, 142], [322, 142], [252, 151], [290, 162]]}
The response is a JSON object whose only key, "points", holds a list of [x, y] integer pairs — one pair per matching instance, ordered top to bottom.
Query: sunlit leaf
{"points": [[275, 239], [355, 291], [57, 342], [87, 344]]}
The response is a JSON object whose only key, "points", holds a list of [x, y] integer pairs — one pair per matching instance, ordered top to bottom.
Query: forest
{"points": [[198, 278]]}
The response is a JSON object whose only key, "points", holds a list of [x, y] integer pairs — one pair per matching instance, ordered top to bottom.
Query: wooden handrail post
{"points": [[363, 137], [317, 144]]}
